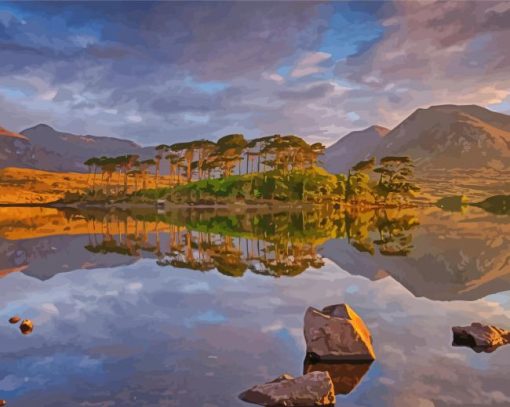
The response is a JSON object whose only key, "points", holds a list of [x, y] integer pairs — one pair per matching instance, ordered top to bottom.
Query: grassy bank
{"points": [[29, 186]]}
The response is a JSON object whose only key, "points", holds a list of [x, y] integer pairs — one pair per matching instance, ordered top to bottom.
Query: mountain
{"points": [[10, 134], [450, 136], [440, 137], [358, 144], [14, 148], [45, 148], [457, 150]]}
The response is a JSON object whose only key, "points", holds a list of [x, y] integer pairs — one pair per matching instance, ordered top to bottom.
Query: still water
{"points": [[190, 308]]}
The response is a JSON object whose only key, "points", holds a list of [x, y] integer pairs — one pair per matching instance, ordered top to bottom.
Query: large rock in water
{"points": [[337, 333], [481, 338], [312, 389]]}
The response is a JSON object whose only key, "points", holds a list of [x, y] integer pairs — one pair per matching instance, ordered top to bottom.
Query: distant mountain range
{"points": [[440, 137], [464, 140], [42, 147]]}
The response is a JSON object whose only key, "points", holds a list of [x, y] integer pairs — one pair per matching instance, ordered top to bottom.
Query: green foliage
{"points": [[276, 168], [391, 183], [311, 185]]}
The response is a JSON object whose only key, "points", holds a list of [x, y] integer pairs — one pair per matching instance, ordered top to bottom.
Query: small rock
{"points": [[14, 320], [26, 327], [337, 333], [481, 338], [312, 389], [3, 403]]}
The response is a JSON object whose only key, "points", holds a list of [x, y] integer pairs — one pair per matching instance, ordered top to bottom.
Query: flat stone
{"points": [[14, 320], [479, 337], [312, 389]]}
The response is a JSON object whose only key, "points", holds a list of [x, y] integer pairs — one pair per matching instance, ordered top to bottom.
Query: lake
{"points": [[191, 307]]}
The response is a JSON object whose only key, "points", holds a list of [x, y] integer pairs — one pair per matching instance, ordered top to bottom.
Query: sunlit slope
{"points": [[28, 186]]}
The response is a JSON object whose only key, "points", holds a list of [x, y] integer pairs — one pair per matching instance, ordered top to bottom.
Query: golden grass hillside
{"points": [[29, 186]]}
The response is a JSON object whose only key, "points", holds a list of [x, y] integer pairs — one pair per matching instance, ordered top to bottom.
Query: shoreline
{"points": [[168, 206]]}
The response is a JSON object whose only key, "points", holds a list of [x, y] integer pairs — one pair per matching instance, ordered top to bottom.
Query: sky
{"points": [[161, 72]]}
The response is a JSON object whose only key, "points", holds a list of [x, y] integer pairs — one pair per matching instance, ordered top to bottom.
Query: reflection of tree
{"points": [[389, 230], [115, 237], [395, 238], [272, 244]]}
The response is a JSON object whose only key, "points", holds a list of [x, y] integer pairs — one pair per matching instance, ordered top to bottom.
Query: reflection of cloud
{"points": [[134, 287], [50, 308], [252, 325], [11, 382]]}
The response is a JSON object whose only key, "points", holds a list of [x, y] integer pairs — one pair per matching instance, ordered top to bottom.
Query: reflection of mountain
{"points": [[435, 254], [455, 256], [45, 257]]}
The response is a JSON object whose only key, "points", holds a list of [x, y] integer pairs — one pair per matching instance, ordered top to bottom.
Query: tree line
{"points": [[205, 159], [275, 167], [367, 182]]}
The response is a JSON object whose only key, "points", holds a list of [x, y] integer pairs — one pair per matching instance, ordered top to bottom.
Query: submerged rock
{"points": [[14, 320], [26, 327], [337, 333], [481, 338], [312, 389], [3, 403]]}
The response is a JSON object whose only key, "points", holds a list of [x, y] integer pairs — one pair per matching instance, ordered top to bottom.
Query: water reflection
{"points": [[273, 244], [439, 255], [123, 330], [344, 375]]}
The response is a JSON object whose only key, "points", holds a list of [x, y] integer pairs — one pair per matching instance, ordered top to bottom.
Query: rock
{"points": [[14, 320], [26, 327], [337, 333], [481, 338], [344, 375], [312, 389], [3, 403]]}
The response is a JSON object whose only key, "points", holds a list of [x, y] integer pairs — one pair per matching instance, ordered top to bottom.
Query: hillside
{"points": [[10, 134], [449, 136], [360, 144], [44, 148], [456, 149], [29, 186]]}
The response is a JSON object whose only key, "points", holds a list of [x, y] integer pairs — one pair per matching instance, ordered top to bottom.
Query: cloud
{"points": [[433, 53], [310, 64], [165, 72], [315, 91]]}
